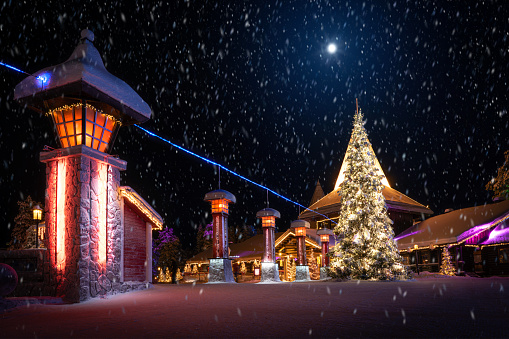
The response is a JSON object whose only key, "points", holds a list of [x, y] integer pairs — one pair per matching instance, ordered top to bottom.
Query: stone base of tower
{"points": [[220, 271], [270, 272], [302, 273], [323, 273]]}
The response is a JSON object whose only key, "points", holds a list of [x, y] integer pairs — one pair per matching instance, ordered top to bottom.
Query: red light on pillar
{"points": [[219, 200], [268, 216], [299, 227], [324, 234]]}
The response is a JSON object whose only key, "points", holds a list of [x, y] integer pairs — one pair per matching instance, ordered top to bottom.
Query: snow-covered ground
{"points": [[426, 307]]}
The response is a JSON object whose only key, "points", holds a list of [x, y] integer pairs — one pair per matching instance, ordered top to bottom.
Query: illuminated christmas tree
{"points": [[366, 247], [447, 267], [195, 269], [243, 269], [292, 270], [314, 270]]}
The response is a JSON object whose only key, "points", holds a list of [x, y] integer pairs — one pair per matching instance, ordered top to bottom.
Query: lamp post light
{"points": [[37, 215], [324, 234], [220, 269], [302, 269], [270, 271]]}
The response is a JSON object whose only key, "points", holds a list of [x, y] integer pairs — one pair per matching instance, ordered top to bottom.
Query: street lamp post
{"points": [[37, 215]]}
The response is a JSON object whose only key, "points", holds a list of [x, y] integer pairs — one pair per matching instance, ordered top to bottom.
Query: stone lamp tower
{"points": [[87, 105], [324, 234], [220, 268], [302, 269], [270, 270]]}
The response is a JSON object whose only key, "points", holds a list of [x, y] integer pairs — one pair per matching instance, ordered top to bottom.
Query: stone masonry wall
{"points": [[84, 276]]}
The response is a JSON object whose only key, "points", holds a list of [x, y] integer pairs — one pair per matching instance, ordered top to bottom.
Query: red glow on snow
{"points": [[61, 174]]}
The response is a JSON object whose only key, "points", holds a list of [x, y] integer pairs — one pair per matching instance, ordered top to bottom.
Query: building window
{"points": [[503, 255]]}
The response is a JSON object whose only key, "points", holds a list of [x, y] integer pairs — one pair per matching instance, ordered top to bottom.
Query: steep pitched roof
{"points": [[318, 193], [394, 199], [455, 226]]}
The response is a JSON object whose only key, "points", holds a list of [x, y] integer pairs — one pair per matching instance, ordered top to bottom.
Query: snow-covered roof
{"points": [[83, 75], [394, 199], [142, 206], [457, 226]]}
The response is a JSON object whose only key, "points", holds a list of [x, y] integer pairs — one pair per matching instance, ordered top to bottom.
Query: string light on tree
{"points": [[366, 247], [447, 267]]}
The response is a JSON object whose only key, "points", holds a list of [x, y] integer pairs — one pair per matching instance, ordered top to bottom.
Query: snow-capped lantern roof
{"points": [[83, 77], [220, 195], [268, 212], [299, 223]]}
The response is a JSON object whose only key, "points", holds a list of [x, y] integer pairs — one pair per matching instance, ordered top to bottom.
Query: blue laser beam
{"points": [[14, 68], [42, 78], [230, 171]]}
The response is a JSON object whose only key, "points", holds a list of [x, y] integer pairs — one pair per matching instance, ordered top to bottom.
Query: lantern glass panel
{"points": [[98, 127], [220, 206], [37, 214], [268, 222], [300, 231], [324, 238]]}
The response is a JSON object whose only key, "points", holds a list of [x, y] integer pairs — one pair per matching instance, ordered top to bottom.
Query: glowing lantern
{"points": [[87, 105], [97, 129], [219, 200], [37, 214], [268, 216], [300, 227], [324, 234]]}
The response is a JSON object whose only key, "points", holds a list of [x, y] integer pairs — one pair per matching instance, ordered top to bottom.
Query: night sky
{"points": [[250, 84]]}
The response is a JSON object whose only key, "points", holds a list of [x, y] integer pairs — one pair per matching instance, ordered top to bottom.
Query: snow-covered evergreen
{"points": [[366, 249]]}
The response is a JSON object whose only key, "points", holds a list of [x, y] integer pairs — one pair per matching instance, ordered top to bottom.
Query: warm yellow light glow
{"points": [[98, 126], [102, 196], [220, 206], [37, 211], [268, 222], [300, 231], [324, 238], [60, 255]]}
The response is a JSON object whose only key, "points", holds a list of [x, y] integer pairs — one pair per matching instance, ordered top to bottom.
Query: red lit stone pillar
{"points": [[83, 206], [324, 234], [220, 268], [302, 270], [270, 271]]}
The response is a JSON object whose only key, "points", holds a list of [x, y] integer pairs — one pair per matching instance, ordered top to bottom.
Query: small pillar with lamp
{"points": [[87, 106], [37, 215], [324, 234], [220, 268], [302, 269], [270, 272]]}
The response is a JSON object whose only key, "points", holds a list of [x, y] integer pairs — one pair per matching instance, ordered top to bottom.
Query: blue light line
{"points": [[14, 68], [41, 78], [230, 171]]}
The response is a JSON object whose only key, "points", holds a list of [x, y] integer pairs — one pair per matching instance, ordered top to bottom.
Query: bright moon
{"points": [[331, 48]]}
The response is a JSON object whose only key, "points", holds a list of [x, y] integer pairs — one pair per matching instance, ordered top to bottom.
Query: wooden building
{"points": [[477, 238]]}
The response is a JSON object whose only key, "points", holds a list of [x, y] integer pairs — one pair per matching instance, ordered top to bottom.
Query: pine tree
{"points": [[500, 184], [20, 239], [366, 249], [447, 267], [195, 269], [243, 269], [292, 270], [314, 270]]}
